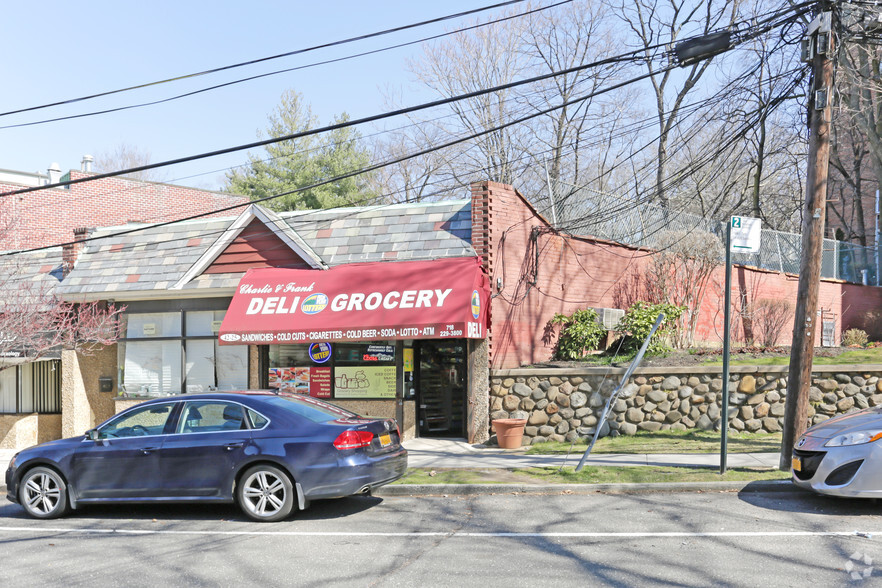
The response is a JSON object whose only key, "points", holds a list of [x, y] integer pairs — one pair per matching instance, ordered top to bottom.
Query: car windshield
{"points": [[310, 408]]}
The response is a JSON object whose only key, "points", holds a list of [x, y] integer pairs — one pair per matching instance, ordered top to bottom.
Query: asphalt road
{"points": [[678, 538]]}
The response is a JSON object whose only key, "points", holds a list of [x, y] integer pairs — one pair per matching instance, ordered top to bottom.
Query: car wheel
{"points": [[43, 493], [265, 494]]}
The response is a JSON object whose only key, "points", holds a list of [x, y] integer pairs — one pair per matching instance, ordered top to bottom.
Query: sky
{"points": [[60, 50]]}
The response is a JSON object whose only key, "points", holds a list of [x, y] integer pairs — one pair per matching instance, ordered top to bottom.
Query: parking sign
{"points": [[746, 234]]}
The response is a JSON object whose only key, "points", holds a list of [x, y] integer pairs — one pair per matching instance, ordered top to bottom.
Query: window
{"points": [[168, 353], [367, 369], [31, 387], [314, 410], [211, 416], [258, 421], [139, 422]]}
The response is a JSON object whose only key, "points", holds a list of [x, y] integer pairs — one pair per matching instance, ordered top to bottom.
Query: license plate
{"points": [[385, 440], [796, 463]]}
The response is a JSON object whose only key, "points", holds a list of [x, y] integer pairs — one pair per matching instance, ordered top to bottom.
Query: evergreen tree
{"points": [[297, 163]]}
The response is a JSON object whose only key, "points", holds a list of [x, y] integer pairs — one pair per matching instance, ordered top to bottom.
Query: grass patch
{"points": [[853, 356], [850, 357], [692, 441], [588, 475], [651, 475], [458, 476]]}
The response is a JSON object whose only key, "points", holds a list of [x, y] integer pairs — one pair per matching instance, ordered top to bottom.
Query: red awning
{"points": [[444, 298]]}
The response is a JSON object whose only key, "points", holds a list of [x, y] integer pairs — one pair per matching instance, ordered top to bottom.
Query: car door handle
{"points": [[232, 446], [148, 450]]}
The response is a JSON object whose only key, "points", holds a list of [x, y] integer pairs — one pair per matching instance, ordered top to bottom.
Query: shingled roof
{"points": [[148, 262]]}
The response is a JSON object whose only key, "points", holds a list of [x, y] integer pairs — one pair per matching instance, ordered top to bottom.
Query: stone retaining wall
{"points": [[565, 404]]}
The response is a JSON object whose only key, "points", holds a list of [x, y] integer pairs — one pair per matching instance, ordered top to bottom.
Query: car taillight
{"points": [[353, 439]]}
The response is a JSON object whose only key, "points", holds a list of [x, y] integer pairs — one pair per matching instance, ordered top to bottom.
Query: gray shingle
{"points": [[160, 255]]}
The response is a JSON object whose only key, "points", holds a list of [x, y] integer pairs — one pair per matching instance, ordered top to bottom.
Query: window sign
{"points": [[149, 329], [320, 352], [379, 353], [314, 381], [320, 382], [364, 382]]}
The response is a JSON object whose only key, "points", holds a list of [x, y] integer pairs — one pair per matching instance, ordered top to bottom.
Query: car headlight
{"points": [[857, 438], [12, 461]]}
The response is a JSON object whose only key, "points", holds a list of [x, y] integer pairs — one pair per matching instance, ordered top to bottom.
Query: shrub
{"points": [[769, 317], [638, 322], [579, 333], [855, 338]]}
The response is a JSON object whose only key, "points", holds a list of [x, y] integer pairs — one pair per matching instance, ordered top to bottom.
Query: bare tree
{"points": [[665, 22], [485, 57], [568, 142], [856, 154], [124, 156], [679, 274], [35, 322]]}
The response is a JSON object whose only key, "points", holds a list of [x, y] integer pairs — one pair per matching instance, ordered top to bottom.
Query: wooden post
{"points": [[806, 323]]}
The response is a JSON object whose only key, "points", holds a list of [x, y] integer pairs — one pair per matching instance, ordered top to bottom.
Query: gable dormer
{"points": [[258, 238]]}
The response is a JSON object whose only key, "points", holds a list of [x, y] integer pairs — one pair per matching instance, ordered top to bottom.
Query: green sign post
{"points": [[743, 235]]}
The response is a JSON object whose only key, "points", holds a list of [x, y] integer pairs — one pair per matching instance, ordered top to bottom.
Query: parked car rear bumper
{"points": [[361, 474]]}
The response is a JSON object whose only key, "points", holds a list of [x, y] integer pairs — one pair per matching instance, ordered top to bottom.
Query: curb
{"points": [[487, 489], [579, 489]]}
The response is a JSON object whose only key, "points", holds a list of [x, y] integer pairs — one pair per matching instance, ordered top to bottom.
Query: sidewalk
{"points": [[458, 454], [5, 456]]}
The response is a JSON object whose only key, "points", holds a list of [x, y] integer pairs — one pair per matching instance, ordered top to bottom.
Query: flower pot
{"points": [[509, 432]]}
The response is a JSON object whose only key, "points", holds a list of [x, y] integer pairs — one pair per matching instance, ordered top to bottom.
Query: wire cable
{"points": [[264, 59], [277, 72]]}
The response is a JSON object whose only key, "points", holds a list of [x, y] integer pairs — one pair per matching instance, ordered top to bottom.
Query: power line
{"points": [[263, 59], [276, 72], [329, 128], [377, 166], [340, 177]]}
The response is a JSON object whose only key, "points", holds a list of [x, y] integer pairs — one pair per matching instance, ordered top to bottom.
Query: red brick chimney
{"points": [[71, 251]]}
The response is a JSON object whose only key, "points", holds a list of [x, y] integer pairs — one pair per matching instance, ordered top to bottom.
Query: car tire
{"points": [[43, 493], [265, 493]]}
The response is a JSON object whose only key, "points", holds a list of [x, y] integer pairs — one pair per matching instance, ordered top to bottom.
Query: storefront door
{"points": [[441, 383]]}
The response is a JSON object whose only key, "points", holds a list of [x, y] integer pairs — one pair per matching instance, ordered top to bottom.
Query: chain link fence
{"points": [[607, 217]]}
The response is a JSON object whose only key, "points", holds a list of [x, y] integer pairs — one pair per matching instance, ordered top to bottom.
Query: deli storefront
{"points": [[382, 338]]}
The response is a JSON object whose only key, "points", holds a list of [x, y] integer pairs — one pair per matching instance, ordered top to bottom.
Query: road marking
{"points": [[576, 535]]}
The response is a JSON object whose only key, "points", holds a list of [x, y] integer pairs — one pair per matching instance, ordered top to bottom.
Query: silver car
{"points": [[842, 456]]}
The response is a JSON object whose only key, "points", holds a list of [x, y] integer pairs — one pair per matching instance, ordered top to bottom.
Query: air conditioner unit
{"points": [[609, 317]]}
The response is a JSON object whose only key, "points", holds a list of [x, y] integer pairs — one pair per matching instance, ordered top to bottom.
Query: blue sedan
{"points": [[267, 452]]}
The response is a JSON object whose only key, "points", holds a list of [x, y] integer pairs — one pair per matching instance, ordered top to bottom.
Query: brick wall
{"points": [[47, 217], [543, 273]]}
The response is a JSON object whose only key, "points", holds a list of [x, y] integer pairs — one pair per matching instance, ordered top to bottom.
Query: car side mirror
{"points": [[92, 434]]}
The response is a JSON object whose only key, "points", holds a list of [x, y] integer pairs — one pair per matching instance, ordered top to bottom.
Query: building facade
{"points": [[31, 216], [382, 310], [400, 311]]}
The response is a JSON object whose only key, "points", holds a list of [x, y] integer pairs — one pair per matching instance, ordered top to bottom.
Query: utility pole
{"points": [[819, 47]]}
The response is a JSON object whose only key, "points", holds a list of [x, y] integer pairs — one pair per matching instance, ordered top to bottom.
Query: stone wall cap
{"points": [[676, 370]]}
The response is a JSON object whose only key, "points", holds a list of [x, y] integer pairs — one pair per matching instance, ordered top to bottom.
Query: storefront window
{"points": [[154, 324], [168, 353], [152, 368], [336, 370], [31, 387]]}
